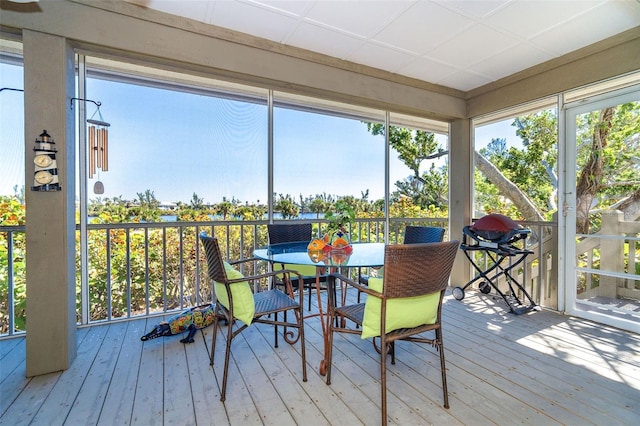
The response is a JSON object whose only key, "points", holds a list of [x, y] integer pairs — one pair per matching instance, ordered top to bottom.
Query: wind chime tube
{"points": [[92, 138], [98, 146], [94, 149], [105, 150], [98, 152]]}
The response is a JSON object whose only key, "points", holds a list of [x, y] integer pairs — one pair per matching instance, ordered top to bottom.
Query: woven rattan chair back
{"points": [[285, 232], [291, 232], [423, 234], [412, 235], [215, 265], [417, 269]]}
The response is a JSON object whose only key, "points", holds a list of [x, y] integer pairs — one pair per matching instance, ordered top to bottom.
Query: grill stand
{"points": [[498, 252]]}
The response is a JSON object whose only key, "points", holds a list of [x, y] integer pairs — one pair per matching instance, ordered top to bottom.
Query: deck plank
{"points": [[283, 366], [497, 367], [539, 368], [13, 371], [571, 376], [348, 384], [67, 388], [204, 388], [39, 391], [326, 398], [90, 399], [148, 399], [178, 400], [118, 401], [239, 404], [25, 407], [271, 409]]}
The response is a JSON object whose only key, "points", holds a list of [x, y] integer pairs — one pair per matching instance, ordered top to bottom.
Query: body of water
{"points": [[173, 218]]}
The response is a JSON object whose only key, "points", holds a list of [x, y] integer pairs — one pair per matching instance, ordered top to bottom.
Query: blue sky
{"points": [[11, 129], [176, 144]]}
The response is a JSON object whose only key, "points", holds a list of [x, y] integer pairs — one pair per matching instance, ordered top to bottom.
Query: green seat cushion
{"points": [[305, 270], [244, 307], [407, 312]]}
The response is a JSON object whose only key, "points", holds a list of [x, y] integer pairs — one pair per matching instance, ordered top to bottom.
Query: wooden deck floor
{"points": [[541, 368]]}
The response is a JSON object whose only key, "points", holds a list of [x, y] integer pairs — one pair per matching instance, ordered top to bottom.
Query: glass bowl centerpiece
{"points": [[339, 221]]}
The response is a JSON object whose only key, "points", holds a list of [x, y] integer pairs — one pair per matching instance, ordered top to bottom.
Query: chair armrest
{"points": [[249, 259], [286, 272], [264, 275], [352, 283], [331, 286]]}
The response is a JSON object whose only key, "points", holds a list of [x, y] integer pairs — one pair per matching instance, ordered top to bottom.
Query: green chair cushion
{"points": [[305, 270], [243, 305], [406, 312]]}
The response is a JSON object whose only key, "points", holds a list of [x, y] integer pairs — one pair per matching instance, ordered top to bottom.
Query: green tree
{"points": [[608, 148], [523, 180], [520, 182], [426, 189], [430, 190], [197, 203], [303, 204], [318, 205], [286, 206], [225, 208], [148, 209], [109, 210], [249, 212]]}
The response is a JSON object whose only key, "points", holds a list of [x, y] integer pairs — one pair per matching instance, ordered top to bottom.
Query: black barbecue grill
{"points": [[498, 236]]}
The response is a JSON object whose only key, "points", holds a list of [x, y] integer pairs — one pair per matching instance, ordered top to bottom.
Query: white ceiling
{"points": [[461, 44]]}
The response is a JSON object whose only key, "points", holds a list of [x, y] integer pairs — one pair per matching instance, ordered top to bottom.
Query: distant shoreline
{"points": [[174, 218]]}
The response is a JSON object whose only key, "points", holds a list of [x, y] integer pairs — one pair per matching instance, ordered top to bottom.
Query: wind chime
{"points": [[98, 148]]}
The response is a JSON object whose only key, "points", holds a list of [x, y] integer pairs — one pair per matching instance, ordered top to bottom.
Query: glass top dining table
{"points": [[363, 255]]}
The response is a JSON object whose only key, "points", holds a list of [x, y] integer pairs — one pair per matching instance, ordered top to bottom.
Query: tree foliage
{"points": [[608, 149], [525, 178], [427, 188], [286, 206], [12, 213]]}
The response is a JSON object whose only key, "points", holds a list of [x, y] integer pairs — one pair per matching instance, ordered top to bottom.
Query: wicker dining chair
{"points": [[291, 232], [423, 234], [413, 235], [235, 301], [408, 304]]}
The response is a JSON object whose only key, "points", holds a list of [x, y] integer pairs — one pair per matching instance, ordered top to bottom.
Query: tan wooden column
{"points": [[460, 202], [50, 216]]}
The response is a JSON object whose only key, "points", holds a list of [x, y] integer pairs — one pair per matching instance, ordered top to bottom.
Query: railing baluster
{"points": [[128, 251], [164, 269], [146, 272], [108, 277], [10, 301], [198, 302]]}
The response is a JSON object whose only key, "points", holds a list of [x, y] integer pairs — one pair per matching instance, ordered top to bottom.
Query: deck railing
{"points": [[615, 249], [12, 265], [148, 269]]}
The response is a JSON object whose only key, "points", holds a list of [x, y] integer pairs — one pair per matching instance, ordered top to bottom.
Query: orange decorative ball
{"points": [[340, 242], [316, 245], [316, 255]]}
